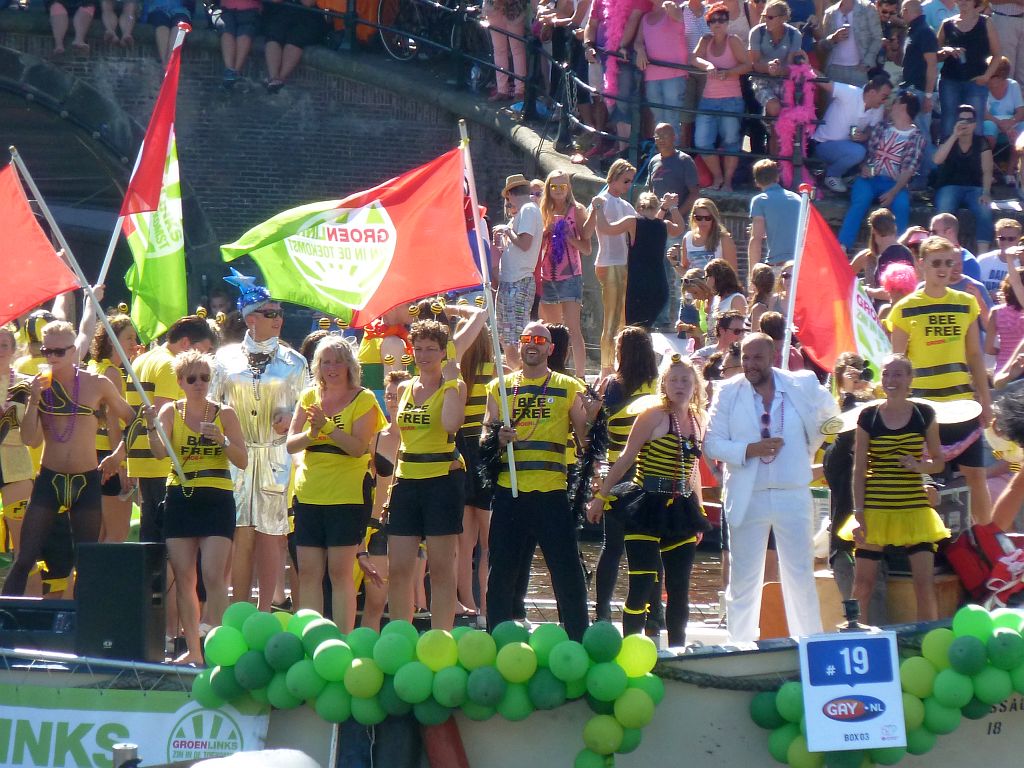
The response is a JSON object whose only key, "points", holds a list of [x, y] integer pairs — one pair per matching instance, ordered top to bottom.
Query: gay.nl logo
{"points": [[853, 709]]}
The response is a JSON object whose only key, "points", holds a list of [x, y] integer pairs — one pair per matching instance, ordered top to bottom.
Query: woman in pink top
{"points": [[663, 39], [725, 58], [1005, 327]]}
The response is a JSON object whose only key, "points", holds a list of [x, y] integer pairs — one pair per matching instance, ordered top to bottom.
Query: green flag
{"points": [[157, 241]]}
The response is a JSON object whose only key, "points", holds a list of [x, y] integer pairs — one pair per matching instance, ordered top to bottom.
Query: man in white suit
{"points": [[765, 427]]}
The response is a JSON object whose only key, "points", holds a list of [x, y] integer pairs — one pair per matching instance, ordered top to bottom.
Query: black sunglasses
{"points": [[270, 314], [55, 351], [204, 377], [765, 423]]}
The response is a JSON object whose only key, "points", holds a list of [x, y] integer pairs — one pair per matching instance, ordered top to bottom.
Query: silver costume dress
{"points": [[261, 380]]}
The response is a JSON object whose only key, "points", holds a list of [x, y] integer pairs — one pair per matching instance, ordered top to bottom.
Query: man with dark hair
{"points": [[851, 38], [841, 139], [729, 327]]}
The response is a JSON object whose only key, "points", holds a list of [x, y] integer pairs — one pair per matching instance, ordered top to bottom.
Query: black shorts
{"points": [[71, 6], [158, 17], [239, 23], [287, 24], [974, 454], [112, 487], [152, 491], [476, 494], [429, 507], [205, 512], [330, 525], [377, 545]]}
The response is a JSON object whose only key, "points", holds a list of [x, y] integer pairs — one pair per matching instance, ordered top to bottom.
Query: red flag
{"points": [[143, 192], [359, 257], [35, 273]]}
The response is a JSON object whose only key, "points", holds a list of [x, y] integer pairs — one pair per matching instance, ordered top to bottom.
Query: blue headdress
{"points": [[252, 295]]}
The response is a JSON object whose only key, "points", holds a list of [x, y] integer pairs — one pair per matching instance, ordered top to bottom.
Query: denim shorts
{"points": [[240, 23], [669, 91], [712, 126], [558, 291]]}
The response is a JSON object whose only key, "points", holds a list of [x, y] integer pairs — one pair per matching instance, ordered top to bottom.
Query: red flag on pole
{"points": [[35, 273]]}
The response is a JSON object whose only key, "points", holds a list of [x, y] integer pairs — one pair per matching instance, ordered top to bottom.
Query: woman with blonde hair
{"points": [[708, 238], [561, 266], [334, 423], [660, 508]]}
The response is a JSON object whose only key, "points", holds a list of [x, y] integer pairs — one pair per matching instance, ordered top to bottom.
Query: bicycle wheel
{"points": [[401, 16], [474, 41]]}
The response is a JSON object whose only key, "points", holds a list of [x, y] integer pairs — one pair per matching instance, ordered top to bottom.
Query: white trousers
{"points": [[790, 514]]}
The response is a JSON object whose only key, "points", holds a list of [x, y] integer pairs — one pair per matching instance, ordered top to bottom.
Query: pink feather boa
{"points": [[614, 15], [795, 117]]}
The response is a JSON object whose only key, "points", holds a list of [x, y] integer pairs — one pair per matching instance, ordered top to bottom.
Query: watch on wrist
{"points": [[226, 443]]}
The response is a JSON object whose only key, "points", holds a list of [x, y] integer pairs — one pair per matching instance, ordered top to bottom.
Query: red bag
{"points": [[980, 553]]}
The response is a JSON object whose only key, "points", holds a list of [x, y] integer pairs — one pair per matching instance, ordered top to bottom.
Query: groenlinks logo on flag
{"points": [[159, 234]]}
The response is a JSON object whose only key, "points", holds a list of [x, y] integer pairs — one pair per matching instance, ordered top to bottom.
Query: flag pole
{"points": [[179, 37], [801, 237], [72, 262], [485, 270]]}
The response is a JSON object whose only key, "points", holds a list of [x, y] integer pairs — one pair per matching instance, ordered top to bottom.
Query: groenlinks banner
{"points": [[78, 727]]}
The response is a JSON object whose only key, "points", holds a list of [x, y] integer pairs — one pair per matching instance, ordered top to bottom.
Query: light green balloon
{"points": [[236, 614], [1010, 618], [300, 619], [973, 620], [258, 628], [544, 638], [224, 645], [935, 647], [437, 649], [476, 649], [638, 655], [332, 659], [517, 662], [917, 676], [363, 679], [655, 687], [790, 701], [634, 708], [913, 711], [602, 734], [798, 756]]}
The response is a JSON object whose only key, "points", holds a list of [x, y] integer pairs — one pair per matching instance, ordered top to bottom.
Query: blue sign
{"points": [[854, 661]]}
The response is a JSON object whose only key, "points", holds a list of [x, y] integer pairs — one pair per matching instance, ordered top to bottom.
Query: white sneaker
{"points": [[835, 184]]}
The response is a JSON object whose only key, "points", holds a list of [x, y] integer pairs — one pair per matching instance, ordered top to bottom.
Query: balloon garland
{"points": [[287, 660], [961, 672]]}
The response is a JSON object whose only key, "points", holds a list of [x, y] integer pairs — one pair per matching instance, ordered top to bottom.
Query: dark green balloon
{"points": [[283, 650], [252, 670], [224, 683], [486, 686], [546, 691], [392, 704], [976, 709], [429, 712], [764, 712], [848, 758]]}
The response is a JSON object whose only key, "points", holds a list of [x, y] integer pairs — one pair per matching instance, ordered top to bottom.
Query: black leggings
{"points": [[77, 495], [643, 554], [608, 566]]}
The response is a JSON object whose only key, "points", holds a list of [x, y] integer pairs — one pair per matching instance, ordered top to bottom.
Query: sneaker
{"points": [[229, 78], [835, 184]]}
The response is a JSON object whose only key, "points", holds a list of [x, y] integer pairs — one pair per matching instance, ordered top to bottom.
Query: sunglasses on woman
{"points": [[561, 187], [700, 217], [270, 314], [55, 351], [193, 378]]}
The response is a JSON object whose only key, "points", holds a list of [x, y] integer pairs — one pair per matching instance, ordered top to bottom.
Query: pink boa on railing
{"points": [[614, 15], [796, 117]]}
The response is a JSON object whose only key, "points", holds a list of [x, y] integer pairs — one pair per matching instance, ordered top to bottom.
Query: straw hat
{"points": [[514, 181]]}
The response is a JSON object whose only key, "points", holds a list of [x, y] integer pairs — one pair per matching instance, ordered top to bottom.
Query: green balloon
{"points": [[236, 614], [282, 618], [1008, 618], [972, 621], [297, 623], [258, 628], [403, 628], [459, 631], [316, 632], [510, 632], [544, 638], [361, 641], [603, 642], [224, 646], [935, 647], [1005, 648], [437, 649], [476, 649], [283, 650], [393, 651], [638, 655], [967, 655], [331, 659], [569, 661], [517, 662], [252, 670], [917, 676], [1017, 678], [363, 679], [606, 681], [303, 682], [414, 682], [224, 683], [993, 685], [486, 686], [654, 687], [449, 688], [575, 689], [952, 689], [546, 691], [203, 693], [278, 694], [259, 695], [389, 698], [790, 701], [334, 704], [515, 705], [599, 707], [634, 708], [976, 709], [762, 710], [368, 711], [913, 711], [430, 712], [477, 712], [940, 719], [602, 734], [631, 738], [780, 739], [920, 741], [888, 755], [798, 756], [848, 758], [587, 759]]}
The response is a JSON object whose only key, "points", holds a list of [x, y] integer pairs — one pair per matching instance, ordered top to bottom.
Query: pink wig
{"points": [[899, 279]]}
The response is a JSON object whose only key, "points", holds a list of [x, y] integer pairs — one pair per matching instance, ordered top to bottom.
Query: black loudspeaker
{"points": [[120, 594], [31, 622]]}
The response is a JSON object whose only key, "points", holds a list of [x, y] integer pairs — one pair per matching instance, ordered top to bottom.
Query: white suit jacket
{"points": [[734, 425]]}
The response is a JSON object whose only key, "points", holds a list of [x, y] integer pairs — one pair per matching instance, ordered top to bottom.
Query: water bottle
{"points": [[475, 76]]}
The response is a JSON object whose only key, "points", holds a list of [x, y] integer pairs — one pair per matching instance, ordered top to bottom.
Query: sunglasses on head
{"points": [[703, 217], [270, 314], [535, 338], [55, 351], [194, 377], [765, 424]]}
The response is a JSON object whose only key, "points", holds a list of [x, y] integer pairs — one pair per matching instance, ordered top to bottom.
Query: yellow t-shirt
{"points": [[937, 347], [100, 368], [154, 369], [476, 402], [540, 415], [620, 423], [426, 450], [204, 462], [328, 475]]}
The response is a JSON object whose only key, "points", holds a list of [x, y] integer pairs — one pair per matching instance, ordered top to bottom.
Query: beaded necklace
{"points": [[258, 363], [536, 397], [50, 398], [782, 427], [683, 443], [187, 492]]}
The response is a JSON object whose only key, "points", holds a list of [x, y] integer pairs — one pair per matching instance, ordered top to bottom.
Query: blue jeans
{"points": [[669, 92], [953, 93], [711, 126], [840, 156], [865, 192], [952, 197]]}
